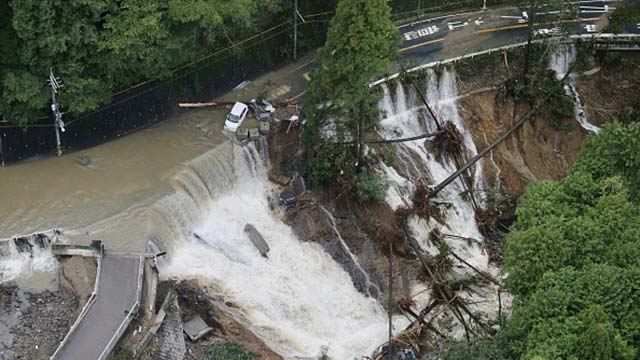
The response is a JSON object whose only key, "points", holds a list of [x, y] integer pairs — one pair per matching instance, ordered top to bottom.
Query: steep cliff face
{"points": [[537, 151], [540, 151], [357, 234]]}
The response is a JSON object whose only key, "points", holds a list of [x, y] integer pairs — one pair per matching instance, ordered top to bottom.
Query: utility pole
{"points": [[296, 15], [295, 29], [58, 125]]}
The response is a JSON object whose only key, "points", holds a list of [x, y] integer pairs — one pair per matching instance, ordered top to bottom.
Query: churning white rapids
{"points": [[414, 160], [297, 300]]}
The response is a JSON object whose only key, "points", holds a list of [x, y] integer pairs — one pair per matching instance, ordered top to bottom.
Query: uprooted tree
{"points": [[339, 106]]}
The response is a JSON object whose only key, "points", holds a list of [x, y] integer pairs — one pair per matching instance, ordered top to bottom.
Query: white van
{"points": [[236, 117]]}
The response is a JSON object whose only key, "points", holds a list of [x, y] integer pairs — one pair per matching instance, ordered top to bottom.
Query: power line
{"points": [[182, 67], [113, 104]]}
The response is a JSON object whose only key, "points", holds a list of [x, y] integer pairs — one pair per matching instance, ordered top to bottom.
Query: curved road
{"points": [[117, 295]]}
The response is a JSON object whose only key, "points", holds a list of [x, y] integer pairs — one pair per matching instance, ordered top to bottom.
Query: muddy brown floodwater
{"points": [[122, 175], [109, 198]]}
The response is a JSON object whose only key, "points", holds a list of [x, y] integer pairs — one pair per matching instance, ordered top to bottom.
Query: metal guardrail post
{"points": [[1, 150]]}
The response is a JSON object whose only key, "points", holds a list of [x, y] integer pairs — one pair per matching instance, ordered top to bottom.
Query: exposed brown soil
{"points": [[607, 94], [537, 151], [79, 274], [194, 299]]}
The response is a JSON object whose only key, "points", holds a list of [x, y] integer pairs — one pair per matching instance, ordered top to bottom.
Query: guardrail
{"points": [[571, 38], [86, 307], [127, 320]]}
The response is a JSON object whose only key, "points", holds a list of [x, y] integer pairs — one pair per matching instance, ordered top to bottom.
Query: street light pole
{"points": [[58, 125]]}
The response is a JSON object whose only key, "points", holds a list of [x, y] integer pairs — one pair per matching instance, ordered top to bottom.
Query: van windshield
{"points": [[234, 118]]}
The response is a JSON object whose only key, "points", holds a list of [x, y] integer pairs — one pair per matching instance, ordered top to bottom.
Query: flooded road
{"points": [[184, 177], [59, 192], [109, 198]]}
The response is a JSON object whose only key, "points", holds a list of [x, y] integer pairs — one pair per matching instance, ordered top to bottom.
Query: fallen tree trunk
{"points": [[206, 104], [473, 160]]}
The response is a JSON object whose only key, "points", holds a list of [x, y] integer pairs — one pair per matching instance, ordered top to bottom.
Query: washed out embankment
{"points": [[299, 299]]}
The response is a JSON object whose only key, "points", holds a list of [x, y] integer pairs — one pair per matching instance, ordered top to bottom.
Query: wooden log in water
{"points": [[206, 104]]}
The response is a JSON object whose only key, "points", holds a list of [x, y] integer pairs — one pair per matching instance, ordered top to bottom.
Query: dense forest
{"points": [[99, 47], [572, 261]]}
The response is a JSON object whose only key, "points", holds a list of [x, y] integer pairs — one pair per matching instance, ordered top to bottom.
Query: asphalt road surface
{"points": [[116, 295]]}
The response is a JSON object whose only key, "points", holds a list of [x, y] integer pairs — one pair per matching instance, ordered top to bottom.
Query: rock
{"points": [[83, 160], [280, 179]]}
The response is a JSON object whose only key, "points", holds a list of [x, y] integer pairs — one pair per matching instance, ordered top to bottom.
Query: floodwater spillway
{"points": [[402, 116], [298, 301]]}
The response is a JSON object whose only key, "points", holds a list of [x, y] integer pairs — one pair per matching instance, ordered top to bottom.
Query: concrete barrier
{"points": [[75, 250]]}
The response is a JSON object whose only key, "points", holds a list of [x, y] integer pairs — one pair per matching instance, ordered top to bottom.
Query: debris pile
{"points": [[448, 141]]}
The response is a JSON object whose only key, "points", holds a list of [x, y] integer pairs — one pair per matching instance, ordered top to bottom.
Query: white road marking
{"points": [[456, 24], [416, 34]]}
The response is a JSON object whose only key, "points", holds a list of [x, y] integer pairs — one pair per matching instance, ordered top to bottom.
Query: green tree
{"points": [[361, 43], [101, 46], [616, 151], [572, 261], [228, 350]]}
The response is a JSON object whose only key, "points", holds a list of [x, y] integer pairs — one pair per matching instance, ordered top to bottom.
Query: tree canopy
{"points": [[101, 46], [339, 106], [572, 261]]}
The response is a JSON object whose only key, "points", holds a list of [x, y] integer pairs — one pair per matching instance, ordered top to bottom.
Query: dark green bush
{"points": [[372, 187], [229, 350]]}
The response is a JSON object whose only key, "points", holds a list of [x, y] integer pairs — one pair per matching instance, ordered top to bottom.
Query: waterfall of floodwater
{"points": [[559, 61], [400, 119], [264, 148], [27, 256], [354, 268], [298, 299]]}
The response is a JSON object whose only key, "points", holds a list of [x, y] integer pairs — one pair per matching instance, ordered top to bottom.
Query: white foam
{"points": [[560, 61], [400, 119], [23, 265], [297, 300]]}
